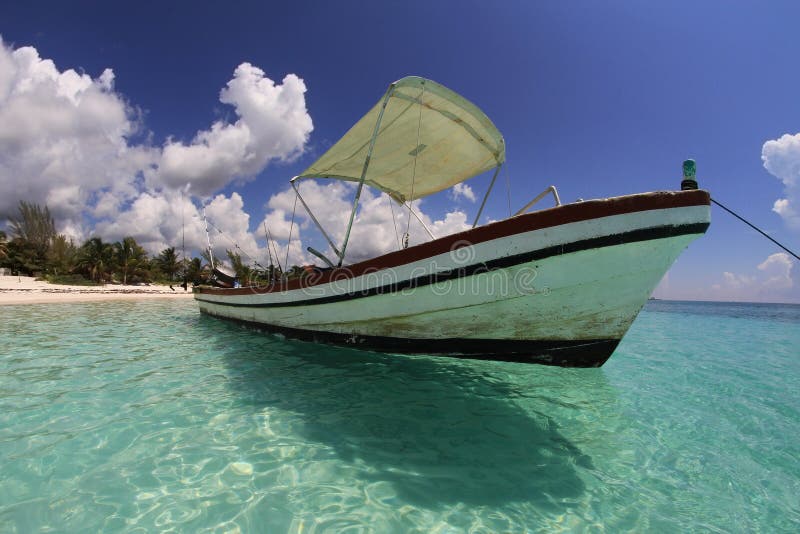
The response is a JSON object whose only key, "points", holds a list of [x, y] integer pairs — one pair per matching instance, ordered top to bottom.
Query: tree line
{"points": [[34, 248]]}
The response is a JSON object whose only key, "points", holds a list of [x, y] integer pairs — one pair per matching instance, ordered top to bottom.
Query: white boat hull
{"points": [[561, 294]]}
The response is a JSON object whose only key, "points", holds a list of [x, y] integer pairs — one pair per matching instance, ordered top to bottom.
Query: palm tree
{"points": [[35, 228], [3, 245], [129, 255], [61, 256], [95, 258], [168, 262], [194, 271], [242, 271]]}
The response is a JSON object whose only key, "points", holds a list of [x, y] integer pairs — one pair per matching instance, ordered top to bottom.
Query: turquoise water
{"points": [[145, 416]]}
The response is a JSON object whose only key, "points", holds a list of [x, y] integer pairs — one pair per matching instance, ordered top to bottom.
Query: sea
{"points": [[148, 417]]}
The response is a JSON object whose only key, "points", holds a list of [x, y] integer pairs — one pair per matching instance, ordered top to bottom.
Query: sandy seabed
{"points": [[27, 290]]}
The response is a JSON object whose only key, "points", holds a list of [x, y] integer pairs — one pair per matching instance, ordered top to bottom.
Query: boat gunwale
{"points": [[538, 220]]}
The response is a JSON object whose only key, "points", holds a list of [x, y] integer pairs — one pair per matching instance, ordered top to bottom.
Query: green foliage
{"points": [[34, 225], [34, 231], [3, 245], [37, 250], [61, 255], [23, 257], [95, 259], [131, 261], [167, 262], [296, 271], [243, 272], [195, 274], [69, 280]]}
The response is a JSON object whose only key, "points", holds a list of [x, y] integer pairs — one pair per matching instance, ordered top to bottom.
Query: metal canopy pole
{"points": [[364, 172], [551, 189], [486, 196], [414, 213], [321, 229], [266, 236], [208, 239]]}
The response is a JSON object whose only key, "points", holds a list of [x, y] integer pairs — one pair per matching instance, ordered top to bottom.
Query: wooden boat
{"points": [[559, 286]]}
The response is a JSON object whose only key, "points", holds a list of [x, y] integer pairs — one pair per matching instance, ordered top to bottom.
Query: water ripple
{"points": [[145, 416]]}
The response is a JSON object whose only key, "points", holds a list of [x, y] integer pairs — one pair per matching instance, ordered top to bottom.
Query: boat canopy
{"points": [[419, 139]]}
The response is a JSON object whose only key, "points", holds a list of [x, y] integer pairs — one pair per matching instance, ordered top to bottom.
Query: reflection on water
{"points": [[440, 431]]}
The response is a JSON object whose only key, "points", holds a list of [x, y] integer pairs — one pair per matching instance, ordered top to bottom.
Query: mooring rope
{"points": [[754, 227]]}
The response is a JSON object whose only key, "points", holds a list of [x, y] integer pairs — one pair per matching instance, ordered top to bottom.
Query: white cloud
{"points": [[273, 124], [63, 136], [68, 140], [781, 158], [462, 190], [156, 221], [454, 221], [232, 223], [278, 223], [377, 229], [778, 269], [738, 281], [773, 281]]}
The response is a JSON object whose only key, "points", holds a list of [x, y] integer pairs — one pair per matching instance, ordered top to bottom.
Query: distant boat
{"points": [[560, 286]]}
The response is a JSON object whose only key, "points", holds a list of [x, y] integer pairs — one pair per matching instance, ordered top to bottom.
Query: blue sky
{"points": [[599, 99]]}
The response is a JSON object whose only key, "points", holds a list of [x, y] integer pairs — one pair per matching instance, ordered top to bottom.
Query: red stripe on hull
{"points": [[569, 213]]}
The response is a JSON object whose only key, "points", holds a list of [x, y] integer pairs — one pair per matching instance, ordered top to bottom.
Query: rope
{"points": [[414, 171], [291, 226], [754, 227], [234, 243], [236, 246], [274, 246]]}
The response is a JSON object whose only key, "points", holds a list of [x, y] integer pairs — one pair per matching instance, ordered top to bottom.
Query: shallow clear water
{"points": [[146, 416]]}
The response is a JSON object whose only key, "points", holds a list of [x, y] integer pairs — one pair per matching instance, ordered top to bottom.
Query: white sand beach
{"points": [[27, 290]]}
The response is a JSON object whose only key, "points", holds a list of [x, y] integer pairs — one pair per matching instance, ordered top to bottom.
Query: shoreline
{"points": [[16, 290]]}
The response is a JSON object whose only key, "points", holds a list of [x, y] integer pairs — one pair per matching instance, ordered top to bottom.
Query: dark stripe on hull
{"points": [[538, 220], [645, 234], [562, 353]]}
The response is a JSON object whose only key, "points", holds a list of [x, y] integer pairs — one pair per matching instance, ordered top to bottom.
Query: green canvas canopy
{"points": [[428, 139]]}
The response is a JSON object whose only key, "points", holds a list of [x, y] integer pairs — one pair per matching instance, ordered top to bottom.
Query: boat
{"points": [[557, 286]]}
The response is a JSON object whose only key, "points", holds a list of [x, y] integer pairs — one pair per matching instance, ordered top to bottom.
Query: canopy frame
{"points": [[481, 122], [462, 142], [364, 170], [486, 196], [311, 213]]}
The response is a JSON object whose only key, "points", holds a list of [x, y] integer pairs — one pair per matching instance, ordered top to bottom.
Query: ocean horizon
{"points": [[138, 416]]}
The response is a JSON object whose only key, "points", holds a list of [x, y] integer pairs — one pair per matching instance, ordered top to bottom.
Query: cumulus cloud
{"points": [[273, 124], [63, 136], [70, 141], [781, 158], [462, 190], [155, 221], [378, 228], [778, 269], [738, 281], [773, 281]]}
